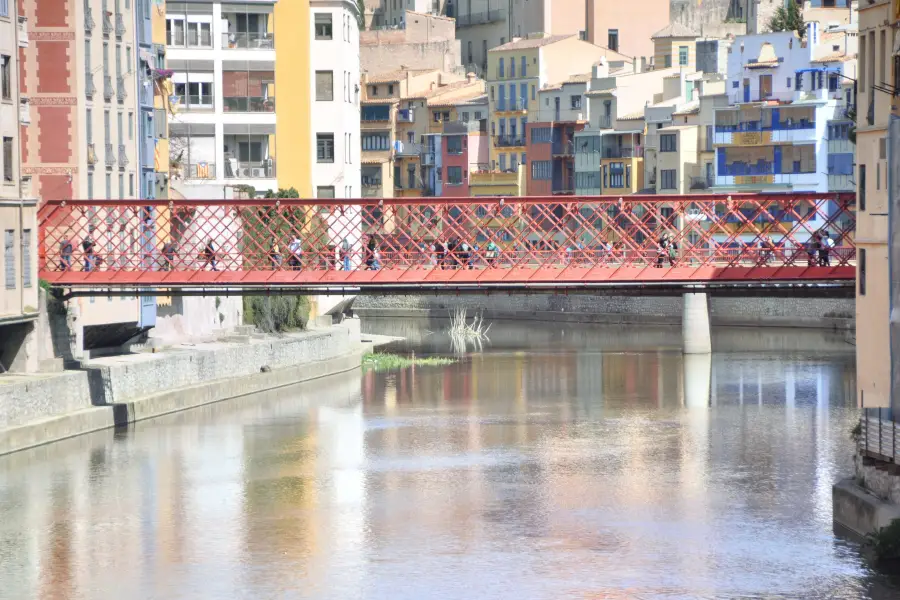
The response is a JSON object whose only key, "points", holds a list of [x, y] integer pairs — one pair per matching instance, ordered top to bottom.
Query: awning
{"points": [[147, 56]]}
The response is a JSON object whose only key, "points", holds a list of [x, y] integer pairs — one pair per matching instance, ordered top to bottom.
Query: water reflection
{"points": [[591, 465]]}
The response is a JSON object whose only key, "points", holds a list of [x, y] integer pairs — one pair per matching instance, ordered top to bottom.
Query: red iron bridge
{"points": [[738, 243]]}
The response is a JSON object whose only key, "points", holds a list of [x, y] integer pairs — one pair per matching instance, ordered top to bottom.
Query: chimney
{"points": [[642, 68], [601, 69]]}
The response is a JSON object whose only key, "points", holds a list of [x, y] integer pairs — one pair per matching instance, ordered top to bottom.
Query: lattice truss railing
{"points": [[98, 240]]}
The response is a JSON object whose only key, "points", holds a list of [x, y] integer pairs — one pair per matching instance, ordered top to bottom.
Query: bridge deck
{"points": [[440, 243]]}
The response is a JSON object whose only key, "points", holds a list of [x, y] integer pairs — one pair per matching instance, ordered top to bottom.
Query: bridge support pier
{"points": [[695, 324]]}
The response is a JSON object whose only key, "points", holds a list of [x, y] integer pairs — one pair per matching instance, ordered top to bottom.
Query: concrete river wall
{"points": [[825, 313], [116, 390]]}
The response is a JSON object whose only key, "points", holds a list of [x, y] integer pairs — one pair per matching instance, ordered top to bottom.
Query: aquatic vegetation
{"points": [[378, 361]]}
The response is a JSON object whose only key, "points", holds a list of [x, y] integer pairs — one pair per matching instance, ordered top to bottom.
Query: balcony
{"points": [[481, 18], [88, 20], [107, 23], [120, 25], [23, 32], [244, 40], [89, 87], [121, 89], [108, 91], [196, 102], [252, 104], [517, 105], [406, 115], [604, 121], [509, 141], [563, 148], [409, 149], [623, 152], [91, 154], [110, 156], [123, 157], [428, 159], [262, 169], [200, 170], [701, 183], [841, 183], [371, 190]]}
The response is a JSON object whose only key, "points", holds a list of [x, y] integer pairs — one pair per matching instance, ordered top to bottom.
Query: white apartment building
{"points": [[223, 60], [335, 119], [786, 126]]}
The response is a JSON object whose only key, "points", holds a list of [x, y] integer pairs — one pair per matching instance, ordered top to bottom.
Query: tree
{"points": [[361, 17], [788, 18], [851, 114]]}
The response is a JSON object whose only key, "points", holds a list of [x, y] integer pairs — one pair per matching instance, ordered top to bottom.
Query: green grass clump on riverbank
{"points": [[378, 361]]}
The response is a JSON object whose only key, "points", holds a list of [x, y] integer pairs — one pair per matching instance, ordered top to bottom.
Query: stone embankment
{"points": [[824, 313], [117, 390]]}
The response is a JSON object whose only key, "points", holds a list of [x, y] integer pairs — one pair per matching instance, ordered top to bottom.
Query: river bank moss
{"points": [[378, 361]]}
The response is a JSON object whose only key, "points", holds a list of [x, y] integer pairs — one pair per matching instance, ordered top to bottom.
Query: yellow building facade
{"points": [[294, 142], [873, 280]]}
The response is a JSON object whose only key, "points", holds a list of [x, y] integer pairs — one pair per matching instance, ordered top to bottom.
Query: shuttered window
{"points": [[325, 85], [9, 258], [26, 258]]}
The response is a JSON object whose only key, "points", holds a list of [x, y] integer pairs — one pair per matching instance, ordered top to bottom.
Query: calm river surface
{"points": [[573, 462]]}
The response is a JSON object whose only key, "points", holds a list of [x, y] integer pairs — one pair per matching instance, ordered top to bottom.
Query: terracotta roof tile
{"points": [[673, 30], [526, 43], [396, 76]]}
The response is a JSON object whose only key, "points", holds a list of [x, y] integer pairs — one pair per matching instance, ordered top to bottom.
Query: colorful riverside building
{"points": [[225, 78], [787, 122]]}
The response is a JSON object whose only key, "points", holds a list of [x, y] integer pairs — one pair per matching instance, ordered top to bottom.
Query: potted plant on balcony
{"points": [[163, 73]]}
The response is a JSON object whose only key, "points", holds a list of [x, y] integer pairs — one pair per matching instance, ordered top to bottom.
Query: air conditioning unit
{"points": [[245, 172], [258, 172]]}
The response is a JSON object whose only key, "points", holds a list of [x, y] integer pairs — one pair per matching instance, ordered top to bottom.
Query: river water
{"points": [[558, 462]]}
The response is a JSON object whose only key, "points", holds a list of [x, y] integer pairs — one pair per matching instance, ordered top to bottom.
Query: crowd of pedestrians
{"points": [[456, 253]]}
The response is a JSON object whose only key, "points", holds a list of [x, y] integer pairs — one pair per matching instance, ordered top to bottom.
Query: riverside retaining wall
{"points": [[829, 313], [117, 390]]}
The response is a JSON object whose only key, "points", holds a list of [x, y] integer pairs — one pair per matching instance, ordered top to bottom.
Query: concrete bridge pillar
{"points": [[695, 324]]}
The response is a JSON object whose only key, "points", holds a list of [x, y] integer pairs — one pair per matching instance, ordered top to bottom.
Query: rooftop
{"points": [[673, 30], [526, 43], [396, 76], [635, 116]]}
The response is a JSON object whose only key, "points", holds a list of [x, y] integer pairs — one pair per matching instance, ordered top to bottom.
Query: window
{"points": [[4, 8], [323, 26], [175, 31], [200, 35], [612, 40], [469, 52], [682, 55], [667, 61], [512, 67], [501, 68], [523, 70], [5, 77], [832, 83], [325, 86], [390, 89], [575, 102], [376, 112], [540, 135], [376, 141], [668, 143], [454, 144], [325, 147], [502, 159], [7, 160], [541, 170], [454, 175], [617, 175], [668, 180], [131, 184], [121, 185], [862, 187], [325, 191], [9, 254], [862, 271]]}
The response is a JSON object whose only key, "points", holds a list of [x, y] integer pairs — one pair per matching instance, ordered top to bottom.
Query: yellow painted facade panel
{"points": [[293, 144]]}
